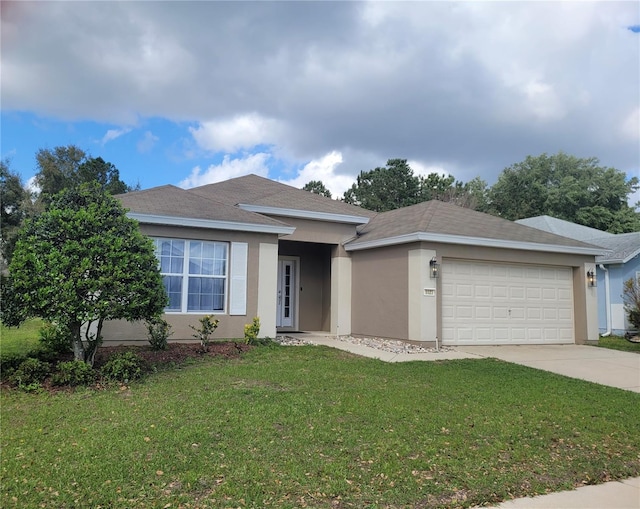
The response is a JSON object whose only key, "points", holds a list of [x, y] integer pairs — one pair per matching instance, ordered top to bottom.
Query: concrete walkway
{"points": [[599, 365]]}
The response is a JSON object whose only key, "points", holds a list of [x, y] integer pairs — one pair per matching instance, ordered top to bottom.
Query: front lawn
{"points": [[21, 340], [618, 343], [316, 427]]}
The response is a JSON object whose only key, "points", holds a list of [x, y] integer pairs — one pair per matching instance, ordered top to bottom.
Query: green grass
{"points": [[19, 340], [618, 343], [316, 427]]}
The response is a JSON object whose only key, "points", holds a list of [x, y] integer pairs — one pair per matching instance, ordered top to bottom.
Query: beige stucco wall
{"points": [[322, 232], [387, 282], [379, 296], [120, 331]]}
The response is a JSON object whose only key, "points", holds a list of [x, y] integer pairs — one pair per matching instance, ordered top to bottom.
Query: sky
{"points": [[189, 93]]}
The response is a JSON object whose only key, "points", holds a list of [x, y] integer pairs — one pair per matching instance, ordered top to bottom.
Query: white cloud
{"points": [[631, 126], [237, 133], [112, 134], [147, 142], [227, 169], [323, 169], [425, 169], [31, 186]]}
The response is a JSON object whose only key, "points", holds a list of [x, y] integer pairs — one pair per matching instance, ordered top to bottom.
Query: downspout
{"points": [[607, 300]]}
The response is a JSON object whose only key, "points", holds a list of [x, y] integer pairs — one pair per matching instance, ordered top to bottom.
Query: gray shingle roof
{"points": [[255, 190], [172, 201], [445, 218], [564, 228], [621, 247]]}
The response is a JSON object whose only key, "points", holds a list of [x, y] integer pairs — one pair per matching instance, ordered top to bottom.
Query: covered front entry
{"points": [[304, 286], [287, 303], [502, 303]]}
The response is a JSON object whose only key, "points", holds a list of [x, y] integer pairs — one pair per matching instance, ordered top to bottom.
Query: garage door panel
{"points": [[492, 303]]}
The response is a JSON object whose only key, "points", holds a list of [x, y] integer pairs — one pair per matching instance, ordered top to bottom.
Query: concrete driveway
{"points": [[599, 365]]}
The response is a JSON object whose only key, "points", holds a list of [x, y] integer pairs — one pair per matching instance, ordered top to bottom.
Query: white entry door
{"points": [[287, 293]]}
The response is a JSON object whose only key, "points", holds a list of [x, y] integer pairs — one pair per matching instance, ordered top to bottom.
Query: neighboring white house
{"points": [[619, 261]]}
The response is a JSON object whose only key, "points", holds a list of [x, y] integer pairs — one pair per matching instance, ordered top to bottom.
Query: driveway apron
{"points": [[599, 365]]}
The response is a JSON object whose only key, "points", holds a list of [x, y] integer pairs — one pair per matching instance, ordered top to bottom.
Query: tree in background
{"points": [[66, 167], [396, 186], [317, 187], [566, 187], [386, 188], [12, 209], [81, 262]]}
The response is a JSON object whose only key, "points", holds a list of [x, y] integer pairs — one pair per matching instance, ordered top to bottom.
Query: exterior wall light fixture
{"points": [[434, 267], [591, 278]]}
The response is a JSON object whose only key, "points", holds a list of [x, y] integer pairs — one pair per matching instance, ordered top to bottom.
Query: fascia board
{"points": [[305, 214], [211, 224], [471, 241]]}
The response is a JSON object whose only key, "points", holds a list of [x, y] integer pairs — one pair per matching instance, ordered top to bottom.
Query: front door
{"points": [[287, 293]]}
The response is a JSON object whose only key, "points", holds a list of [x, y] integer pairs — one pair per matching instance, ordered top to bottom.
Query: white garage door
{"points": [[495, 303]]}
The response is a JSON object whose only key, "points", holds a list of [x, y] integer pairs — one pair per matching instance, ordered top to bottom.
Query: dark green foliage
{"points": [[68, 167], [396, 186], [317, 187], [566, 187], [387, 188], [12, 209], [82, 262], [208, 325], [158, 332], [54, 338], [124, 367], [31, 371], [73, 373]]}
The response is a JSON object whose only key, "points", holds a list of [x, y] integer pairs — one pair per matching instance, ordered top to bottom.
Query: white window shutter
{"points": [[238, 280]]}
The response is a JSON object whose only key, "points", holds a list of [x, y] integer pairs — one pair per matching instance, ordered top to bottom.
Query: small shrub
{"points": [[208, 325], [251, 331], [158, 332], [55, 338], [123, 367], [30, 372], [73, 373]]}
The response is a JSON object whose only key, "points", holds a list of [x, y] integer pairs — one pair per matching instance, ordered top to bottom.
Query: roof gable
{"points": [[269, 197], [169, 205], [445, 222]]}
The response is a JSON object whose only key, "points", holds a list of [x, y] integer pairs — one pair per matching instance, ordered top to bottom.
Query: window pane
{"points": [[177, 248], [195, 249], [208, 250], [195, 266], [173, 286], [205, 294]]}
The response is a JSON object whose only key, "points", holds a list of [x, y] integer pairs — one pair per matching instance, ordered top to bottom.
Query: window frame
{"points": [[185, 275]]}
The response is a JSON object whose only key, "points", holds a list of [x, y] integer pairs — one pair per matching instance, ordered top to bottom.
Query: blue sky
{"points": [[188, 93]]}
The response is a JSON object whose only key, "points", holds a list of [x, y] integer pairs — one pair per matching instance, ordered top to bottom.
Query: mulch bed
{"points": [[176, 353]]}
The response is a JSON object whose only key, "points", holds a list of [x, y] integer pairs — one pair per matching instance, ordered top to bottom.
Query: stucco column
{"points": [[267, 288], [340, 292], [423, 297], [585, 305]]}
